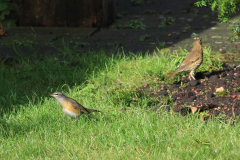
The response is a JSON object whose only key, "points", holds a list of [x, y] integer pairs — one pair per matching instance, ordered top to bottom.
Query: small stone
{"points": [[161, 17], [215, 22], [176, 32], [218, 42], [169, 43], [223, 51], [238, 68], [231, 73], [213, 78], [230, 78], [193, 83], [222, 83], [164, 93], [190, 93], [181, 94], [210, 94], [174, 97], [192, 98]]}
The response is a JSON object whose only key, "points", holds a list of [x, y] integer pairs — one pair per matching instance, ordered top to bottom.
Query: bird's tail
{"points": [[175, 72], [92, 110]]}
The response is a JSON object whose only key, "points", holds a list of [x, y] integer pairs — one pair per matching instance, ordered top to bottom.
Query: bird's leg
{"points": [[191, 74], [189, 77]]}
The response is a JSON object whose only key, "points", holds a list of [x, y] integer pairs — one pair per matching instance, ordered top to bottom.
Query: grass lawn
{"points": [[33, 126]]}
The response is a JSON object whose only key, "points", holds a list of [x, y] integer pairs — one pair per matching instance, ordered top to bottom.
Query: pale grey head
{"points": [[59, 96]]}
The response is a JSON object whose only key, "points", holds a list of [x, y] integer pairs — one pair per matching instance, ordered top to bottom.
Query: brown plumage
{"points": [[192, 61], [70, 106]]}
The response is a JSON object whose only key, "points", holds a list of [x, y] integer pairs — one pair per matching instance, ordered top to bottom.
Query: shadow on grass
{"points": [[29, 79]]}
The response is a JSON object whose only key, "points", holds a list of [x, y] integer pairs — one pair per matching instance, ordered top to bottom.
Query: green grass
{"points": [[32, 125]]}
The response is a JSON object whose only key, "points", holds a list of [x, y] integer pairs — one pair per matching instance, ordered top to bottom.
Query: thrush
{"points": [[192, 61], [70, 106]]}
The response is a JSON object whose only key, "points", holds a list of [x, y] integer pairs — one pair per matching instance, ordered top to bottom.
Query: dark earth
{"points": [[189, 22], [200, 94]]}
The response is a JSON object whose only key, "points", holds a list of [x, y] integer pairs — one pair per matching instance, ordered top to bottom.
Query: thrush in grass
{"points": [[192, 61], [70, 106]]}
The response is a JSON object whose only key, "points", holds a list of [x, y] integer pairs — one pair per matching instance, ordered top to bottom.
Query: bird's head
{"points": [[197, 42], [56, 94], [59, 96]]}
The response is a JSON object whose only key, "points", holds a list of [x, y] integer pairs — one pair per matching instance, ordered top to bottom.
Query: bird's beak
{"points": [[51, 95]]}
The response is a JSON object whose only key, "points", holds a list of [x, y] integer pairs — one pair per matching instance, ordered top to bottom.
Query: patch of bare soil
{"points": [[201, 94]]}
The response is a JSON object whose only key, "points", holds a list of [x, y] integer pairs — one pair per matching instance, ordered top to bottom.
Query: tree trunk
{"points": [[67, 13]]}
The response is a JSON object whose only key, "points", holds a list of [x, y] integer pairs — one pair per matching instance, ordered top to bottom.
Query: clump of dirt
{"points": [[201, 94]]}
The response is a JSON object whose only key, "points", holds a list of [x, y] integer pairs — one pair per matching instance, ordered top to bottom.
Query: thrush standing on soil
{"points": [[192, 61], [70, 106]]}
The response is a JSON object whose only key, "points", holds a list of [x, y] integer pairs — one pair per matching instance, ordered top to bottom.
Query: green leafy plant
{"points": [[137, 2], [225, 8], [5, 9], [148, 11], [120, 15], [205, 16], [166, 21], [134, 24], [161, 25], [187, 27], [235, 28], [194, 35], [144, 37], [20, 43], [116, 43], [76, 44], [161, 44], [67, 48], [209, 63], [183, 85], [222, 93]]}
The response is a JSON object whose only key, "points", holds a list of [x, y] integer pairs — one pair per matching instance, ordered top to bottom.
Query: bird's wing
{"points": [[193, 56], [188, 63], [77, 106]]}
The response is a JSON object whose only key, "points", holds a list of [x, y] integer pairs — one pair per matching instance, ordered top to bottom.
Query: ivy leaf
{"points": [[3, 6]]}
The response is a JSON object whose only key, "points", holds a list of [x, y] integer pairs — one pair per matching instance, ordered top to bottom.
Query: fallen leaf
{"points": [[194, 109]]}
